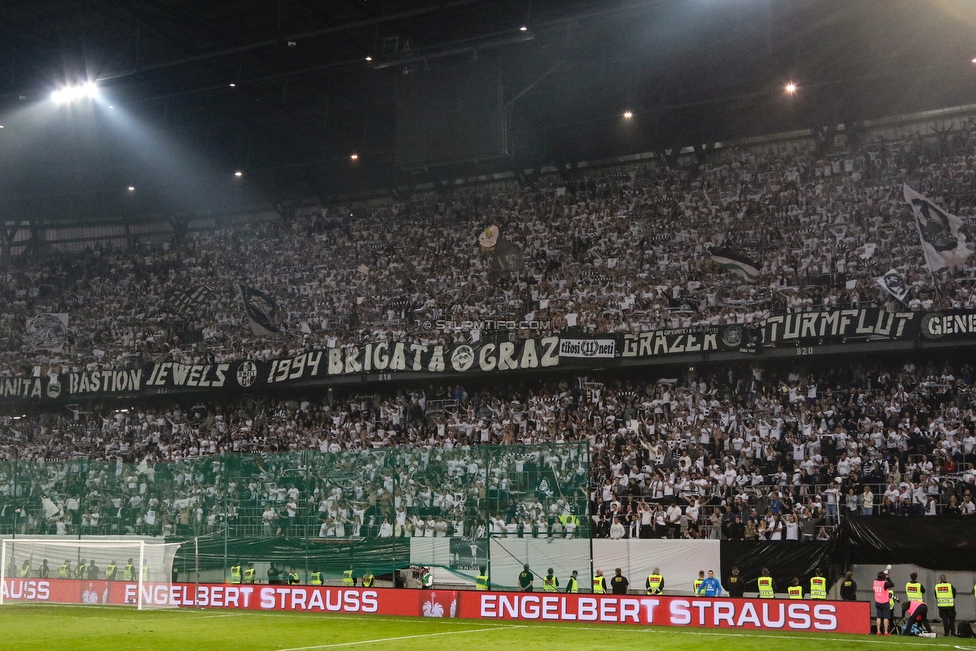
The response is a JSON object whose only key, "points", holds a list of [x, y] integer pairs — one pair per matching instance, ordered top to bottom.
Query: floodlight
{"points": [[791, 88], [628, 114]]}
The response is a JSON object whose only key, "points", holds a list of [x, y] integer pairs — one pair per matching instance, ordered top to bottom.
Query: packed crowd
{"points": [[622, 250], [740, 453]]}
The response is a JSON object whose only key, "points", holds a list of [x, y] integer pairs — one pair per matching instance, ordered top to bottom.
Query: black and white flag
{"points": [[942, 243], [508, 256], [739, 264], [894, 283], [184, 303], [260, 309], [48, 331]]}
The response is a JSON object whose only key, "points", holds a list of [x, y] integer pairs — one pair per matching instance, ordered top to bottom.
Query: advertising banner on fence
{"points": [[754, 614]]}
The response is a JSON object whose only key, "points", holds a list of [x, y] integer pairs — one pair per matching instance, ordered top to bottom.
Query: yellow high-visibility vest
{"points": [[654, 583], [598, 585], [766, 587], [818, 588], [795, 591], [943, 595]]}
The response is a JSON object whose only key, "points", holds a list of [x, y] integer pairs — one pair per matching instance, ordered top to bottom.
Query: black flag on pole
{"points": [[260, 309]]}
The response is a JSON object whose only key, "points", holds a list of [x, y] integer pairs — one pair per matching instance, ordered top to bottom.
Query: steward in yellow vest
{"points": [[25, 570], [64, 570], [80, 570], [111, 571], [129, 571], [235, 573], [249, 573], [315, 578], [347, 578], [368, 580], [481, 581], [698, 581], [655, 582], [550, 583], [599, 583], [765, 583], [572, 586], [818, 587], [913, 589], [795, 591], [945, 599]]}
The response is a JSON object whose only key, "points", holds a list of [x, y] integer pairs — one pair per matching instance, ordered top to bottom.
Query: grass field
{"points": [[88, 628]]}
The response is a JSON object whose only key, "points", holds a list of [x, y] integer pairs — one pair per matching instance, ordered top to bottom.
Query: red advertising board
{"points": [[755, 614]]}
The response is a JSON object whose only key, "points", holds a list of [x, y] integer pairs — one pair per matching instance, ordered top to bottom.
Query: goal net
{"points": [[115, 572]]}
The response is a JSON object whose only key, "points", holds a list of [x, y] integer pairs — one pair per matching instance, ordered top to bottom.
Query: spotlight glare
{"points": [[523, 28], [369, 58], [974, 59], [233, 85], [791, 88], [91, 90], [57, 97], [111, 107], [628, 114], [354, 157], [238, 173], [132, 188]]}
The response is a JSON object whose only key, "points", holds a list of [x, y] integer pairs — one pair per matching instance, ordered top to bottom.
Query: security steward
{"points": [[25, 570], [64, 570], [80, 570], [43, 571], [111, 571], [129, 571], [235, 573], [249, 574], [293, 577], [315, 578], [368, 579], [525, 579], [348, 580], [481, 581], [549, 582], [655, 582], [600, 583], [619, 583], [697, 583], [765, 584], [735, 585], [572, 586], [818, 586], [848, 588], [913, 589], [795, 591], [945, 599]]}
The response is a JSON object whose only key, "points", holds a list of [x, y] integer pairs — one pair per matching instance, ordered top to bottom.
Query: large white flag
{"points": [[943, 244]]}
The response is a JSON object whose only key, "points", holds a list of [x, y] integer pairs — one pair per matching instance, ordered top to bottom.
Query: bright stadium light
{"points": [[523, 28], [791, 88], [71, 93], [628, 115], [354, 157], [238, 173], [132, 188]]}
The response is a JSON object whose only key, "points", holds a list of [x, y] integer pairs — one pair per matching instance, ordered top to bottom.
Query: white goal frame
{"points": [[73, 544]]}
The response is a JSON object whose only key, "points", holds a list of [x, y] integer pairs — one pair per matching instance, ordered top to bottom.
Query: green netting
{"points": [[309, 510]]}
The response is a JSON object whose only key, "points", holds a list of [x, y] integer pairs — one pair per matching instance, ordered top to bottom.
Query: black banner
{"points": [[185, 302], [856, 323], [743, 339], [380, 361]]}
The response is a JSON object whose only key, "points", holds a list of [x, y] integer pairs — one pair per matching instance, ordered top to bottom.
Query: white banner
{"points": [[588, 348]]}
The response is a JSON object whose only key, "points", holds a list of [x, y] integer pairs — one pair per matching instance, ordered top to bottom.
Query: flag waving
{"points": [[942, 243], [739, 264], [894, 283], [260, 309]]}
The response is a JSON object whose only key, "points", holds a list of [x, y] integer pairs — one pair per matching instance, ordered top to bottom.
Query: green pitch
{"points": [[81, 628]]}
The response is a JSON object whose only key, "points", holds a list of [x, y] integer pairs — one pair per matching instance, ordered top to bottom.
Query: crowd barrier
{"points": [[718, 613]]}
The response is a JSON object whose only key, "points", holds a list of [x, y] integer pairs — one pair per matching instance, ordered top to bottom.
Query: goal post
{"points": [[96, 572]]}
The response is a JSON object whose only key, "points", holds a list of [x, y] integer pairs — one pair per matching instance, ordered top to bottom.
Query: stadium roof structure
{"points": [[300, 96]]}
